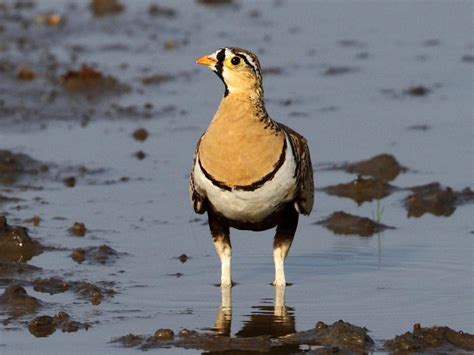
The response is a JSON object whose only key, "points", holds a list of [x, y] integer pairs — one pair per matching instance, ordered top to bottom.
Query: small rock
{"points": [[106, 7], [331, 71], [26, 73], [418, 90], [141, 134], [140, 155], [69, 181], [78, 229], [78, 255], [102, 255], [183, 258], [50, 285], [42, 326], [164, 334], [130, 340]]}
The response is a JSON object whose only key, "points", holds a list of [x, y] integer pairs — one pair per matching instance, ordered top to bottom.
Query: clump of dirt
{"points": [[215, 2], [106, 7], [157, 10], [50, 19], [272, 71], [332, 71], [26, 73], [156, 79], [91, 83], [417, 90], [419, 127], [140, 134], [140, 155], [14, 165], [382, 167], [69, 181], [361, 190], [432, 198], [5, 199], [35, 220], [344, 223], [78, 229], [16, 244], [95, 255], [183, 258], [16, 268], [50, 285], [93, 292], [17, 302], [43, 326], [163, 334], [340, 334], [434, 339], [130, 340]]}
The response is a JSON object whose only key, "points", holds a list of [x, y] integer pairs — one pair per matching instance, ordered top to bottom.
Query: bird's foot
{"points": [[226, 284], [281, 284]]}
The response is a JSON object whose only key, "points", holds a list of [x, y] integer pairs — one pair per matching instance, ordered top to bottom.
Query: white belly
{"points": [[255, 205]]}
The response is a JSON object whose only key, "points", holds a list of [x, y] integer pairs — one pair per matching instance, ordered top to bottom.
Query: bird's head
{"points": [[238, 68]]}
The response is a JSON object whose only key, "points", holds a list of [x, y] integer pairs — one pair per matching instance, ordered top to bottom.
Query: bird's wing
{"points": [[304, 172], [198, 201]]}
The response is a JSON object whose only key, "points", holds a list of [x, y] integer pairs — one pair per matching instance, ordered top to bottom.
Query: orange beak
{"points": [[206, 60]]}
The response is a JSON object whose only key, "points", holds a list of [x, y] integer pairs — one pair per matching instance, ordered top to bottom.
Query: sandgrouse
{"points": [[249, 171]]}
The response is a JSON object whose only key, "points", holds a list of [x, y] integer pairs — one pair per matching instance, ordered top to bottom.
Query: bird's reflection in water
{"points": [[272, 319]]}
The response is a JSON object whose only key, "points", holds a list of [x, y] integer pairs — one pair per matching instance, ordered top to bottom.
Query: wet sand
{"points": [[99, 114]]}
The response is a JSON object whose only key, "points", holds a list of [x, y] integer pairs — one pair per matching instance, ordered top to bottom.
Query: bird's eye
{"points": [[235, 61]]}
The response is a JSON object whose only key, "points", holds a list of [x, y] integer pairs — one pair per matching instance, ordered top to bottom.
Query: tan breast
{"points": [[237, 149]]}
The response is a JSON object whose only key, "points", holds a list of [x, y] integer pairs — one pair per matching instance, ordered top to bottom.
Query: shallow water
{"points": [[420, 272]]}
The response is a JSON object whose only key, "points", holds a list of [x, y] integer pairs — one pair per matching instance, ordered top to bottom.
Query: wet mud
{"points": [[91, 83], [13, 166], [382, 167], [361, 190], [434, 199], [344, 223], [16, 244], [95, 255], [16, 269], [94, 293], [16, 302], [43, 326], [339, 337], [436, 339]]}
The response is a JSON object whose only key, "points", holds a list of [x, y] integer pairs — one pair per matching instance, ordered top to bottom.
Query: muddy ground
{"points": [[100, 108]]}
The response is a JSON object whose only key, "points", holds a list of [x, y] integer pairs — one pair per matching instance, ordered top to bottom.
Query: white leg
{"points": [[220, 235], [281, 245], [224, 250], [280, 252]]}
